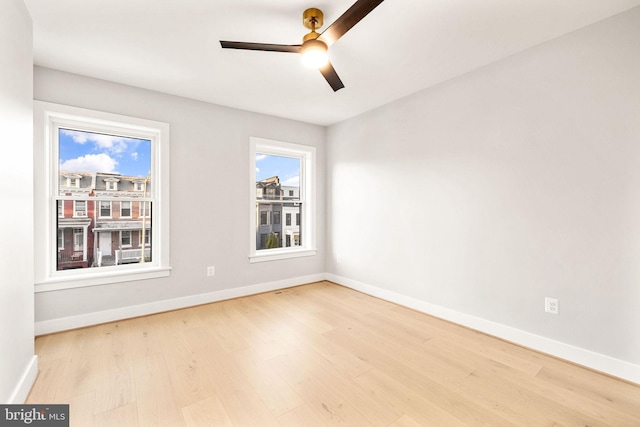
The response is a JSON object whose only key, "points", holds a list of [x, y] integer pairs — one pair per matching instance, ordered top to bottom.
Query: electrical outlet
{"points": [[211, 271], [551, 305]]}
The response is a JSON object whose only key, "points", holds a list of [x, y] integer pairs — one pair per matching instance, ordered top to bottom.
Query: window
{"points": [[99, 163], [282, 183], [111, 184], [79, 208], [105, 209], [125, 209], [145, 209], [144, 235], [125, 238], [78, 239]]}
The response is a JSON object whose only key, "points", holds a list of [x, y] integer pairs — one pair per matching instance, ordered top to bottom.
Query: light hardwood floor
{"points": [[315, 355]]}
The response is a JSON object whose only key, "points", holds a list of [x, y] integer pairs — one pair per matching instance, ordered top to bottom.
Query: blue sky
{"points": [[93, 152], [286, 168]]}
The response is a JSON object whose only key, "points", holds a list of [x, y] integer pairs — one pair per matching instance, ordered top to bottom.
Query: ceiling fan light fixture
{"points": [[314, 53]]}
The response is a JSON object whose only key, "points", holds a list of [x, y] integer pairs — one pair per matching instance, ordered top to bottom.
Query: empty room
{"points": [[360, 213]]}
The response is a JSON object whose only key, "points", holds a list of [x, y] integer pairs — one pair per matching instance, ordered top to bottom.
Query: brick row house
{"points": [[103, 219]]}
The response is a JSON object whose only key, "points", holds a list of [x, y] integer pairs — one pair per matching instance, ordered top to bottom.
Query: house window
{"points": [[120, 149], [279, 168], [73, 181], [111, 184], [80, 208], [105, 208], [125, 209], [145, 209], [264, 218], [297, 218], [144, 235], [125, 238], [78, 239]]}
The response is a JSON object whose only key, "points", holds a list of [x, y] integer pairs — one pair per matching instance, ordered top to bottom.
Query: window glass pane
{"points": [[117, 160], [277, 177], [277, 194], [125, 208], [102, 229], [89, 243]]}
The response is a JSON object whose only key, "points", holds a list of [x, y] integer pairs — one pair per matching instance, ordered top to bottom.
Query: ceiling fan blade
{"points": [[351, 17], [261, 46], [331, 77]]}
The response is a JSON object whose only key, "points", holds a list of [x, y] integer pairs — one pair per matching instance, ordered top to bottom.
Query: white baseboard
{"points": [[82, 320], [599, 362], [22, 389]]}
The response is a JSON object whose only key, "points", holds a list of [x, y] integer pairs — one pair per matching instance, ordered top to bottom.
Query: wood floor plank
{"points": [[315, 355], [114, 369], [277, 394], [155, 396], [207, 412], [126, 415], [303, 416]]}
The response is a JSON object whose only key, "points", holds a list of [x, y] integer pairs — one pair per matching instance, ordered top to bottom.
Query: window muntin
{"points": [[86, 160], [282, 182]]}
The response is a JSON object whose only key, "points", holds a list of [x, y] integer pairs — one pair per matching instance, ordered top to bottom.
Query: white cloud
{"points": [[78, 137], [109, 143], [134, 155], [260, 157], [90, 163], [294, 181]]}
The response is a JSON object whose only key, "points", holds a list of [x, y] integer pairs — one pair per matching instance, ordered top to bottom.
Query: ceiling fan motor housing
{"points": [[312, 18]]}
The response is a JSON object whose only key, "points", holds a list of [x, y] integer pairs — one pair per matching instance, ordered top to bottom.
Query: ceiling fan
{"points": [[315, 45]]}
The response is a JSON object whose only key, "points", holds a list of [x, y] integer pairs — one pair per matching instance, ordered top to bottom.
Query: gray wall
{"points": [[514, 182], [16, 187], [209, 194]]}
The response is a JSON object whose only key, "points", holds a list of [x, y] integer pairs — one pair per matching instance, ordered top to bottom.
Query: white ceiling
{"points": [[401, 47]]}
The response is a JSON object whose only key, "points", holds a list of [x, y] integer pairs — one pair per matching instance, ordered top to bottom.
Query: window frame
{"points": [[48, 119], [307, 198], [100, 202], [130, 208], [127, 233]]}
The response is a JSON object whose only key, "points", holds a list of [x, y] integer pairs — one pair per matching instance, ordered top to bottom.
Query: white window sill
{"points": [[278, 254], [68, 281]]}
